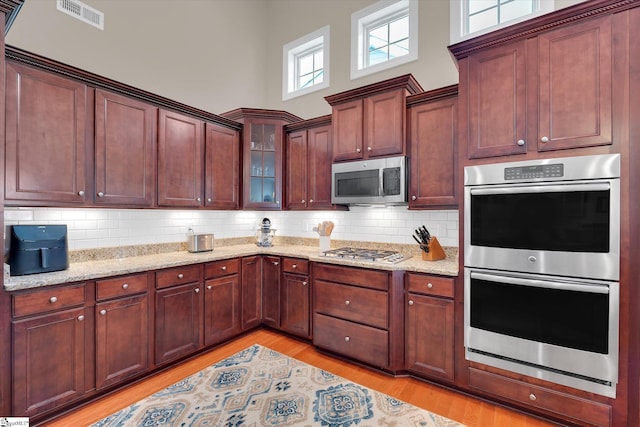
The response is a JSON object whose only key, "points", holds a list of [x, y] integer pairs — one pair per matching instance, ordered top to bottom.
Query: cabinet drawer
{"points": [[295, 265], [222, 268], [178, 276], [352, 276], [430, 285], [121, 286], [48, 299], [362, 305], [364, 343], [562, 404]]}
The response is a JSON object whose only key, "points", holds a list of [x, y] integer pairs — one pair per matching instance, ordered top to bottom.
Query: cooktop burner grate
{"points": [[361, 254]]}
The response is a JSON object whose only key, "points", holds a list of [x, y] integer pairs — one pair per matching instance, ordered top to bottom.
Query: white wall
{"points": [[101, 228]]}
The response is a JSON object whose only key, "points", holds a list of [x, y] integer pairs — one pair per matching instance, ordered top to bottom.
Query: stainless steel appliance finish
{"points": [[366, 182], [554, 216], [200, 242], [372, 255], [556, 329]]}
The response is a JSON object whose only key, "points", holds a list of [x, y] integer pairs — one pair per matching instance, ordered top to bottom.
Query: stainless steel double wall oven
{"points": [[542, 257]]}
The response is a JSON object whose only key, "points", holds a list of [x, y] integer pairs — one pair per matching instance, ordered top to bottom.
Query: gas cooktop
{"points": [[361, 254]]}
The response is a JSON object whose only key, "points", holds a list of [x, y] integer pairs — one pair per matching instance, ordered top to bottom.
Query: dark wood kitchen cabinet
{"points": [[543, 93], [370, 121], [433, 122], [49, 131], [125, 150], [262, 154], [180, 159], [308, 161], [222, 167], [271, 291], [295, 298], [221, 301], [179, 309], [251, 313], [357, 313], [429, 328], [50, 329], [122, 329]]}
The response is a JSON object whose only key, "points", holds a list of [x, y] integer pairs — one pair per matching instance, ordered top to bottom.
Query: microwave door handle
{"points": [[517, 189], [594, 289]]}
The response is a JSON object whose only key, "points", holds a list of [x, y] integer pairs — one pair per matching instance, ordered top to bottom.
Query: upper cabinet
{"points": [[543, 93], [370, 121], [49, 126], [262, 149], [308, 164], [222, 167]]}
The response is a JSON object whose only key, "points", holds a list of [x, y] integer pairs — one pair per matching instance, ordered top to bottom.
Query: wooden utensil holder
{"points": [[435, 251]]}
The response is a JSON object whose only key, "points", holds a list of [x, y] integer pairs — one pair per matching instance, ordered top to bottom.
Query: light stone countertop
{"points": [[91, 270]]}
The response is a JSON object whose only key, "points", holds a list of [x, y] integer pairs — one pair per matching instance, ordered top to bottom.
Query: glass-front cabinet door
{"points": [[262, 183]]}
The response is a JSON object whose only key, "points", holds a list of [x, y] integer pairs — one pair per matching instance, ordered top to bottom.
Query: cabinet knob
{"points": [[544, 139], [520, 142], [369, 148], [357, 150], [81, 193], [100, 194], [414, 197], [198, 199], [209, 200], [302, 201], [311, 201], [275, 263], [294, 266], [223, 268], [180, 275], [304, 283], [429, 285], [125, 286], [209, 287], [197, 290], [53, 300], [347, 302], [410, 302], [103, 312], [81, 318], [347, 339], [532, 396]]}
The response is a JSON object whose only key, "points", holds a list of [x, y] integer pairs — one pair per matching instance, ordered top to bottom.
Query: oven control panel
{"points": [[537, 171]]}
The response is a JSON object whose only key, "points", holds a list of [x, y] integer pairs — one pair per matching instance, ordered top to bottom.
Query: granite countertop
{"points": [[96, 269]]}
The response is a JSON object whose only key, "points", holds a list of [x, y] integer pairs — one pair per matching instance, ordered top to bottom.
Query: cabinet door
{"points": [[575, 77], [495, 93], [347, 121], [384, 125], [47, 134], [433, 141], [319, 146], [125, 150], [180, 158], [263, 164], [222, 167], [298, 170], [271, 291], [251, 292], [295, 297], [222, 309], [178, 321], [429, 336], [122, 339], [48, 361]]}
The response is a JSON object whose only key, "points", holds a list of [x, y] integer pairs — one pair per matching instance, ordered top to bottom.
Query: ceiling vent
{"points": [[81, 11]]}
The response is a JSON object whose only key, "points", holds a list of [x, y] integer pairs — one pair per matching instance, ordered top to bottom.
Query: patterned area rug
{"points": [[261, 387]]}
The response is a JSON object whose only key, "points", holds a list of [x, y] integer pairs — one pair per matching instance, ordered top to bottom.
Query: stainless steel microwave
{"points": [[368, 182]]}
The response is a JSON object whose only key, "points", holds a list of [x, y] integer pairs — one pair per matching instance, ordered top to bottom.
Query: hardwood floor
{"points": [[467, 410]]}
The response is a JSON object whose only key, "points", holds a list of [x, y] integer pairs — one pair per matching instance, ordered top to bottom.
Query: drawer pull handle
{"points": [[223, 268], [180, 276], [304, 283], [429, 285], [125, 286], [197, 290], [53, 300], [347, 302], [410, 302], [103, 312], [81, 318], [347, 339], [532, 396]]}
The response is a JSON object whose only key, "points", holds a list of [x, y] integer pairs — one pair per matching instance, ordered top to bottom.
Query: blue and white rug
{"points": [[261, 387]]}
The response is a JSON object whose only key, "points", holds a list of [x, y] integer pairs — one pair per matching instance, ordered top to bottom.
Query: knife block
{"points": [[435, 251]]}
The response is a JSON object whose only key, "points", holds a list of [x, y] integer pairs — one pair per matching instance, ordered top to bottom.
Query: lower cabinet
{"points": [[271, 291], [295, 298], [221, 301], [179, 312], [251, 314], [429, 328]]}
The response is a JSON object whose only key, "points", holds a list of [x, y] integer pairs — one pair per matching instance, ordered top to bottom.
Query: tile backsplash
{"points": [[91, 228]]}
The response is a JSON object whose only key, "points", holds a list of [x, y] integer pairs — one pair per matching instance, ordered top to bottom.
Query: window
{"points": [[470, 18], [383, 35], [306, 64]]}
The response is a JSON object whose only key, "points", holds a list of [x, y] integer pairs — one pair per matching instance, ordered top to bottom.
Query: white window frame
{"points": [[378, 12], [457, 18], [290, 53]]}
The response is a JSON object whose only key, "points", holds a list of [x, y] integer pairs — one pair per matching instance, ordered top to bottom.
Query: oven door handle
{"points": [[515, 189], [594, 289]]}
